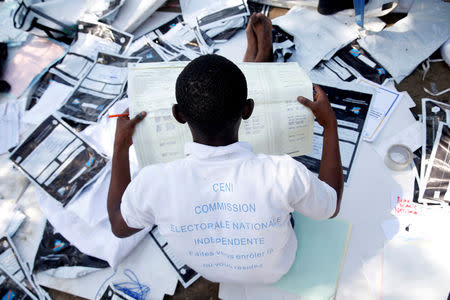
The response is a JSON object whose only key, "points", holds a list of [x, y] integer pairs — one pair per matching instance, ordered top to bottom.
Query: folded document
{"points": [[279, 124]]}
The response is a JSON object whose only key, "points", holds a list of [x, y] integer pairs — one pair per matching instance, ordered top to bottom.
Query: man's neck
{"points": [[224, 138], [219, 141]]}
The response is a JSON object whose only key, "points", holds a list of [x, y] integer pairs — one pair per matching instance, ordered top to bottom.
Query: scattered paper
{"points": [[103, 10], [134, 13], [213, 14], [157, 19], [8, 33], [316, 37], [92, 38], [404, 45], [30, 62], [350, 63], [98, 90], [49, 102], [383, 105], [351, 109], [433, 112], [9, 125], [411, 137], [58, 160], [436, 183], [403, 206], [10, 218], [414, 221], [396, 228], [12, 263], [372, 269], [186, 275], [160, 277], [13, 287]]}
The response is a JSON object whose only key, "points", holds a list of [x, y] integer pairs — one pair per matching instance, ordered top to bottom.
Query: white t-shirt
{"points": [[225, 210]]}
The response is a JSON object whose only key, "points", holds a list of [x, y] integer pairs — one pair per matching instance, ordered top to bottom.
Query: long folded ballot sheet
{"points": [[278, 125]]}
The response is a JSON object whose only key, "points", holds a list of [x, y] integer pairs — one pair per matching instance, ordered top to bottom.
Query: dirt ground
{"points": [[438, 76]]}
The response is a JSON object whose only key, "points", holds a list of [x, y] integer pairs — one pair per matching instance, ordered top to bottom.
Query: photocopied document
{"points": [[207, 13], [92, 38], [172, 41], [145, 48], [352, 62], [98, 90], [384, 103], [351, 109], [433, 113], [278, 125], [57, 160], [436, 185], [11, 262], [186, 275], [12, 287]]}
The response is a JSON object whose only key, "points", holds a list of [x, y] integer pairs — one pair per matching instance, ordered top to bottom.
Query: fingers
{"points": [[251, 20], [319, 91], [319, 94], [306, 102], [138, 118]]}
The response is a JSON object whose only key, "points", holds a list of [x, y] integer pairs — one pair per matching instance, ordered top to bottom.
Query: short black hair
{"points": [[210, 92]]}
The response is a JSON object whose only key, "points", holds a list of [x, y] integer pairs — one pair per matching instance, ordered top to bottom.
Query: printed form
{"points": [[278, 125]]}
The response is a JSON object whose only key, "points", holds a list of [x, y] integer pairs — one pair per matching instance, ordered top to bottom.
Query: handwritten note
{"points": [[402, 206]]}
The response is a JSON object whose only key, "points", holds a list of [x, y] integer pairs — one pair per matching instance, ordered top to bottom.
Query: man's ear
{"points": [[247, 111], [177, 114]]}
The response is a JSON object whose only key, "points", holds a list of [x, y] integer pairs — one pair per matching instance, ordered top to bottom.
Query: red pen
{"points": [[119, 115]]}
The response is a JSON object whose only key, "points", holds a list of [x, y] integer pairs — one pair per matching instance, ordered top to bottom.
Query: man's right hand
{"points": [[320, 107]]}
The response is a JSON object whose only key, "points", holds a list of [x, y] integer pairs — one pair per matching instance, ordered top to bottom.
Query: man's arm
{"points": [[330, 167], [120, 174]]}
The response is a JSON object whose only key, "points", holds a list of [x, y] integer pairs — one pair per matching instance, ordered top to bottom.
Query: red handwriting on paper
{"points": [[405, 207]]}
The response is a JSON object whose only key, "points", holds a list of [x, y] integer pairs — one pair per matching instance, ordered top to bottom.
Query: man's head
{"points": [[211, 94]]}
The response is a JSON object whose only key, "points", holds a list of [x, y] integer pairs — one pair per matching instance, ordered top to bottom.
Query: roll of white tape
{"points": [[398, 157]]}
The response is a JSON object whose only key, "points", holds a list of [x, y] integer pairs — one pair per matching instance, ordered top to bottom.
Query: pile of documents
{"points": [[219, 20], [85, 80], [434, 163], [416, 240], [16, 280]]}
